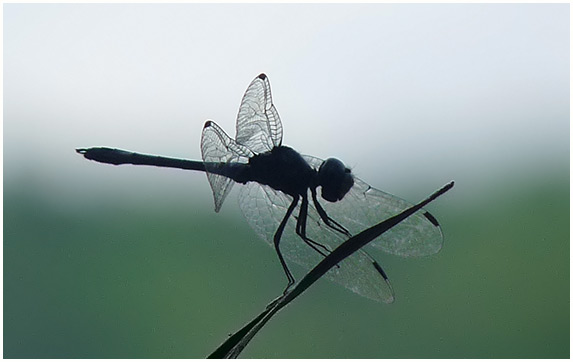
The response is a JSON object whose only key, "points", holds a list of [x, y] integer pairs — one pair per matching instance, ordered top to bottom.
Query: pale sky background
{"points": [[414, 94]]}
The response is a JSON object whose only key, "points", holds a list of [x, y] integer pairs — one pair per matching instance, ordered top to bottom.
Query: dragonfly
{"points": [[301, 205]]}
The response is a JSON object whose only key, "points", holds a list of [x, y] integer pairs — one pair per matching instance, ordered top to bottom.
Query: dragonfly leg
{"points": [[331, 223], [301, 228], [277, 239]]}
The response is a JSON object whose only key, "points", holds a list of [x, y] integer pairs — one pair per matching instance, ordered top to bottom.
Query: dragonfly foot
{"points": [[287, 289], [274, 302]]}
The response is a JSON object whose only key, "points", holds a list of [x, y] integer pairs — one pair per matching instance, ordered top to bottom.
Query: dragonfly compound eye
{"points": [[335, 179]]}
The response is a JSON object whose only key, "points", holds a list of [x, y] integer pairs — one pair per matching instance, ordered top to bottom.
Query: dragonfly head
{"points": [[335, 179]]}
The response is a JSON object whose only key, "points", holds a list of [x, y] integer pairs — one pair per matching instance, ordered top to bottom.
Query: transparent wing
{"points": [[259, 127], [218, 147], [364, 206], [264, 208]]}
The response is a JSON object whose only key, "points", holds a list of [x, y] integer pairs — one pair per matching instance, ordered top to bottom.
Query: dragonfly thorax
{"points": [[283, 169]]}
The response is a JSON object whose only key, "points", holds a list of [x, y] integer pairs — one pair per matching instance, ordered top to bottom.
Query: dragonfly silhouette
{"points": [[280, 199]]}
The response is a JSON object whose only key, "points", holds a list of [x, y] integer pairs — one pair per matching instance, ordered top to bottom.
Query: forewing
{"points": [[258, 124], [218, 147], [364, 206], [264, 209]]}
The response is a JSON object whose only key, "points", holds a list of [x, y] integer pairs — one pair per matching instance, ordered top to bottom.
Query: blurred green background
{"points": [[132, 262], [162, 280]]}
